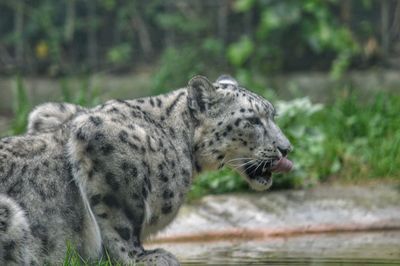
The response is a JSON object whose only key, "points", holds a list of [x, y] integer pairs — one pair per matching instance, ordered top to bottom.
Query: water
{"points": [[362, 248], [298, 261]]}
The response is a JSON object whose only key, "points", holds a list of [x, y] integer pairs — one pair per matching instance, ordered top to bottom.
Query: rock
{"points": [[322, 209]]}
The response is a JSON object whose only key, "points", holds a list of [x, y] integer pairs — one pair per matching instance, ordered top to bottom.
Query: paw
{"points": [[158, 257]]}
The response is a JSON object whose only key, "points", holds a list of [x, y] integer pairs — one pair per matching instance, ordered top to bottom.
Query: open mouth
{"points": [[260, 172]]}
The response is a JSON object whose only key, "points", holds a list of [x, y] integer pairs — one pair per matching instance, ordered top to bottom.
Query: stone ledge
{"points": [[259, 215]]}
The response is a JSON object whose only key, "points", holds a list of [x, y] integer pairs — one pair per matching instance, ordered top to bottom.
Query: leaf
{"points": [[243, 5], [240, 51], [120, 53]]}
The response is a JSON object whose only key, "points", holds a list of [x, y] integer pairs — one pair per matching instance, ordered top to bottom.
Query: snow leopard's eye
{"points": [[254, 120]]}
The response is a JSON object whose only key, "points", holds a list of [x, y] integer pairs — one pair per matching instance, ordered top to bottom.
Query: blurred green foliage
{"points": [[290, 31], [259, 36], [277, 36], [177, 66], [217, 182]]}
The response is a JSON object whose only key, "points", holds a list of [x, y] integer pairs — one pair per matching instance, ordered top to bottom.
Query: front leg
{"points": [[116, 178], [121, 229], [118, 232]]}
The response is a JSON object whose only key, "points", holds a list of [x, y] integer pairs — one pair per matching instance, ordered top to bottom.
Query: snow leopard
{"points": [[104, 179]]}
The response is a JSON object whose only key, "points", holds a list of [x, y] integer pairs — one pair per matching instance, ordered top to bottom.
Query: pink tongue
{"points": [[283, 165]]}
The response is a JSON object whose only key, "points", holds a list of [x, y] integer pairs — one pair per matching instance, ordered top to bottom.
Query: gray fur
{"points": [[49, 116], [113, 175]]}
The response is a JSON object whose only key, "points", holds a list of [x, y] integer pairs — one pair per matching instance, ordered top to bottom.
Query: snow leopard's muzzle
{"points": [[259, 172]]}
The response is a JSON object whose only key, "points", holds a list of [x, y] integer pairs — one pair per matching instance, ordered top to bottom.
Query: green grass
{"points": [[21, 107], [364, 138], [72, 258]]}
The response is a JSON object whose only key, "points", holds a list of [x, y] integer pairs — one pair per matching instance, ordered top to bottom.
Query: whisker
{"points": [[242, 158], [247, 163], [242, 164], [259, 164], [264, 165], [249, 167]]}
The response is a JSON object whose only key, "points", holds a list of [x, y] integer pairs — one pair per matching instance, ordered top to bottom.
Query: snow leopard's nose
{"points": [[285, 150]]}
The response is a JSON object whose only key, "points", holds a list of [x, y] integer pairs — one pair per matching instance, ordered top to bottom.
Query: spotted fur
{"points": [[112, 175]]}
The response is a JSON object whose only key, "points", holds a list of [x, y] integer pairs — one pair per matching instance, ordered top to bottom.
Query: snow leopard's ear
{"points": [[228, 80], [202, 94]]}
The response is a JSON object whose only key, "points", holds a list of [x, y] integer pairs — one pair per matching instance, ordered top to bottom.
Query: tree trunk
{"points": [[223, 11], [345, 12], [69, 21], [140, 26], [395, 27], [18, 31], [169, 33], [385, 37], [92, 40]]}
